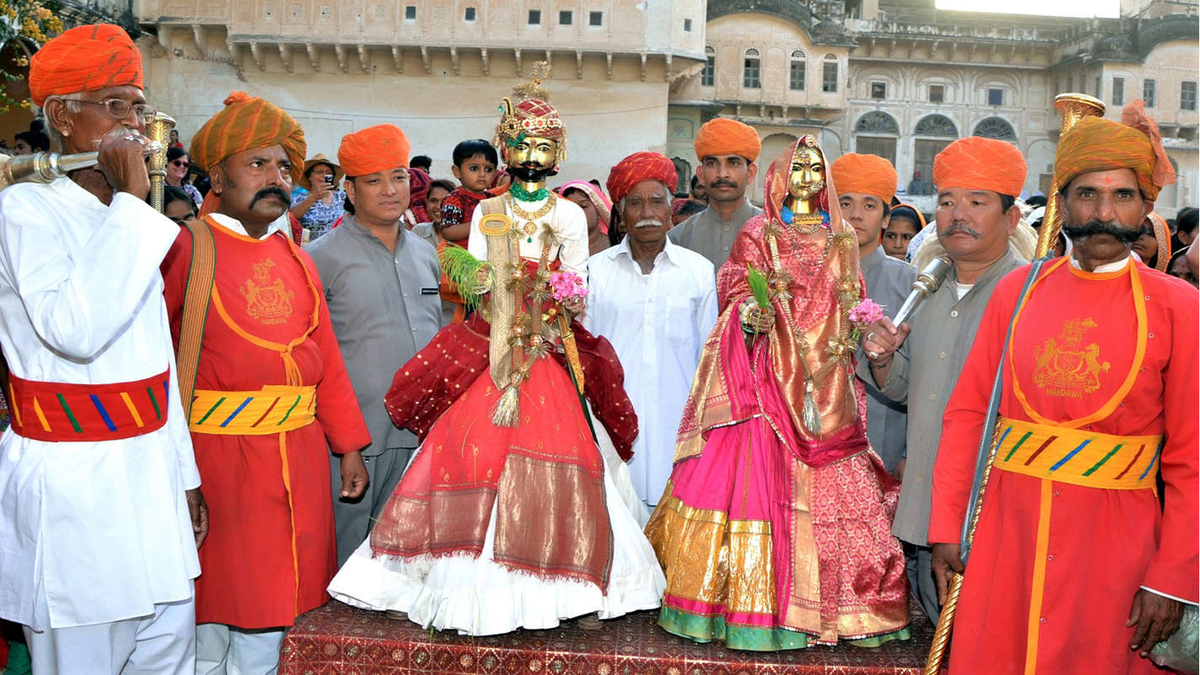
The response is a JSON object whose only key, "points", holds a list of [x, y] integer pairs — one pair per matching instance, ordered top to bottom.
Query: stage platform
{"points": [[343, 640]]}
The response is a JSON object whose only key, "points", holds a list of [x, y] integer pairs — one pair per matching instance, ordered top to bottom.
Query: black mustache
{"points": [[722, 183], [270, 192], [955, 229], [1122, 234]]}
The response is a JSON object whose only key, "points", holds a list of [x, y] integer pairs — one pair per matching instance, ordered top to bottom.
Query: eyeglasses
{"points": [[120, 108], [182, 163]]}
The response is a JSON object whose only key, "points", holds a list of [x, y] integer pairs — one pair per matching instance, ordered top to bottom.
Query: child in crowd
{"points": [[475, 163]]}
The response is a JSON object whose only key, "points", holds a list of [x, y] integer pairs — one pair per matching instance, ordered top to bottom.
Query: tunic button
{"points": [[954, 313], [943, 355], [933, 397], [1050, 557], [1043, 619]]}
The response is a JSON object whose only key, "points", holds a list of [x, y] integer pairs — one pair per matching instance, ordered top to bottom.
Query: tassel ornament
{"points": [[508, 409]]}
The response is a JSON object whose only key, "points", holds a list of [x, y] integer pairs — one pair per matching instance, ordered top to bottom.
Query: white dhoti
{"points": [[228, 649]]}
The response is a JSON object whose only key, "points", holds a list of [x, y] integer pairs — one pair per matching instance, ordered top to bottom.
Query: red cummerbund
{"points": [[55, 411]]}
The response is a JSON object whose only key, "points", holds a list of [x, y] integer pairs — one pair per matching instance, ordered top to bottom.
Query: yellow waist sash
{"points": [[270, 410], [1078, 456]]}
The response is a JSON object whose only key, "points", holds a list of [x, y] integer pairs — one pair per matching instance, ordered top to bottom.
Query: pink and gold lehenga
{"points": [[775, 528]]}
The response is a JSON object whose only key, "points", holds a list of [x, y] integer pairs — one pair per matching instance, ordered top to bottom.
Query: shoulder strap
{"points": [[492, 206], [196, 297]]}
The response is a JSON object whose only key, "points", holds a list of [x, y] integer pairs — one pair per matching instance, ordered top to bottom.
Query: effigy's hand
{"points": [[574, 305], [756, 319]]}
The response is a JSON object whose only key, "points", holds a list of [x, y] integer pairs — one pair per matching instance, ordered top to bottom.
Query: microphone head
{"points": [[935, 273]]}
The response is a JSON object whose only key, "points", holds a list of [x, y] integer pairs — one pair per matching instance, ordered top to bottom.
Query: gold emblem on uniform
{"points": [[267, 300], [1064, 366]]}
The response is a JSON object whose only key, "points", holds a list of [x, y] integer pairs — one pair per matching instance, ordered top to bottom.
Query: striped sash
{"points": [[270, 410], [58, 412], [1078, 456]]}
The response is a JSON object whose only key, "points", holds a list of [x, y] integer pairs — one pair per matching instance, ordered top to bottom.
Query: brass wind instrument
{"points": [[1072, 108], [159, 131], [46, 167]]}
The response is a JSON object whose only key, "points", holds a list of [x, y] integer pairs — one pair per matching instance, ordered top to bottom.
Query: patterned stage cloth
{"points": [[340, 639]]}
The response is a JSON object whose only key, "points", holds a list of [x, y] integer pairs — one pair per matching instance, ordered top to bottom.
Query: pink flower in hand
{"points": [[567, 285], [865, 313]]}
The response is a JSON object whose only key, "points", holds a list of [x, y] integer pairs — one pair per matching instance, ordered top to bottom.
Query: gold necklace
{"points": [[530, 226]]}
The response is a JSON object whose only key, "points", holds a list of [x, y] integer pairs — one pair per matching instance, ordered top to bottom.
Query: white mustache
{"points": [[647, 223]]}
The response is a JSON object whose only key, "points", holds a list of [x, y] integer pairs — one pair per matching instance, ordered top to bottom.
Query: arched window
{"points": [[799, 66], [710, 67], [752, 70], [829, 74], [876, 122], [936, 125], [996, 127], [938, 132], [875, 134]]}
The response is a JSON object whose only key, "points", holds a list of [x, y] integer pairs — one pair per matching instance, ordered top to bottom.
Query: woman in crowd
{"points": [[177, 169], [319, 201], [904, 224]]}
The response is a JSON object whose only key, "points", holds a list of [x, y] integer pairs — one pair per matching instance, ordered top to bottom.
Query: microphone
{"points": [[927, 282]]}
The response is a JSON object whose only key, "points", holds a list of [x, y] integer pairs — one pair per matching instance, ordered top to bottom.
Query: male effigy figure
{"points": [[1099, 395], [271, 397], [506, 517], [774, 528], [97, 548]]}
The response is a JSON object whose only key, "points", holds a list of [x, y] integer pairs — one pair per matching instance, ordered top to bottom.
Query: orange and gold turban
{"points": [[86, 58], [248, 122], [723, 136], [1097, 144], [379, 148], [975, 163], [638, 167], [866, 174]]}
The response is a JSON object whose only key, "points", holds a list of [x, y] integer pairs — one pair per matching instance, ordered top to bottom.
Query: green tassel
{"points": [[462, 269], [758, 286]]}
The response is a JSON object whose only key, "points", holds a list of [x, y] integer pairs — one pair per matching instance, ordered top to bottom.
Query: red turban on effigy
{"points": [[86, 58], [248, 122], [723, 136], [1097, 144], [379, 148], [975, 163], [638, 167], [865, 174]]}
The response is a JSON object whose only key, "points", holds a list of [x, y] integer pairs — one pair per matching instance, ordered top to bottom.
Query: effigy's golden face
{"points": [[532, 152], [807, 176]]}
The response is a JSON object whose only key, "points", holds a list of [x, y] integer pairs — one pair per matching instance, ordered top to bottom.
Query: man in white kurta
{"points": [[656, 302], [97, 543]]}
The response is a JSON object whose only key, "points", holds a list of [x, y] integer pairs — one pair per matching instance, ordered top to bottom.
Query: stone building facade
{"points": [[897, 78]]}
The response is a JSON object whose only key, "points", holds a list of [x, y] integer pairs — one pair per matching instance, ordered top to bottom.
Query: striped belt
{"points": [[270, 410], [57, 412], [1078, 456]]}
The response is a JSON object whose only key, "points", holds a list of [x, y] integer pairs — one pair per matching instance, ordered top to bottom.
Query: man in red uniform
{"points": [[271, 393], [1075, 566]]}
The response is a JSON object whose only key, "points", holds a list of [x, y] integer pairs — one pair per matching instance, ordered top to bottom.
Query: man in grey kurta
{"points": [[728, 150], [888, 284], [385, 307]]}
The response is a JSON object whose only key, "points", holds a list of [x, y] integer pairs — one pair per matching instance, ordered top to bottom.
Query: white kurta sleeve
{"points": [[571, 228], [477, 241], [79, 304], [706, 311], [181, 438]]}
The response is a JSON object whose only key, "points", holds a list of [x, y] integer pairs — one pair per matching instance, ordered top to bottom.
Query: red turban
{"points": [[86, 58], [248, 122], [723, 136], [1097, 144], [379, 148], [975, 163], [638, 167], [866, 174]]}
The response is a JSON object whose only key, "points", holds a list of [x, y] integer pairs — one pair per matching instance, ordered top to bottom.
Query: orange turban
{"points": [[86, 58], [248, 122], [723, 136], [1097, 144], [379, 148], [975, 163], [638, 167], [866, 174]]}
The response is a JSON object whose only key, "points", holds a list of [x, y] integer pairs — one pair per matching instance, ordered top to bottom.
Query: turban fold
{"points": [[87, 58], [248, 122], [723, 136], [1097, 144], [379, 148], [975, 163], [638, 167], [866, 174]]}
